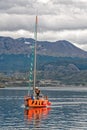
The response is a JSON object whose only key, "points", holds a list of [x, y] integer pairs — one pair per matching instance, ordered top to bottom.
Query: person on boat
{"points": [[37, 92]]}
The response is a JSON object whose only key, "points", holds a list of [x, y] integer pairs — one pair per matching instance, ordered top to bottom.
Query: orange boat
{"points": [[35, 100], [42, 102]]}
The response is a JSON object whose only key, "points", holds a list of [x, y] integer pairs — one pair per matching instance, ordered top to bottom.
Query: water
{"points": [[68, 110]]}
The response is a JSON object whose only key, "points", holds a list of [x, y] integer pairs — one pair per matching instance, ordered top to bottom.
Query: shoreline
{"points": [[66, 88]]}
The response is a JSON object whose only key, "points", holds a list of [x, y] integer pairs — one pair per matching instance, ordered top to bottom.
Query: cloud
{"points": [[57, 19]]}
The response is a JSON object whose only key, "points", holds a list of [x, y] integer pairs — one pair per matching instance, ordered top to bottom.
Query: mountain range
{"points": [[61, 48], [60, 60]]}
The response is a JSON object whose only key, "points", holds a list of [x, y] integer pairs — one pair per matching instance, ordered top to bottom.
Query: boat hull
{"points": [[36, 103]]}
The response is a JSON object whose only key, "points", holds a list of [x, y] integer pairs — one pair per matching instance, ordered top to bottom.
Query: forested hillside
{"points": [[65, 70]]}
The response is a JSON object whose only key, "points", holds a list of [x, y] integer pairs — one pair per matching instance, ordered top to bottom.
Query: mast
{"points": [[35, 55]]}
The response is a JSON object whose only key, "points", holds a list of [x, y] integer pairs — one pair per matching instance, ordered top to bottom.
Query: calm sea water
{"points": [[68, 110]]}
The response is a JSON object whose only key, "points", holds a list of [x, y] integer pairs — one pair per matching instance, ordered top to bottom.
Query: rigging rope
{"points": [[31, 69]]}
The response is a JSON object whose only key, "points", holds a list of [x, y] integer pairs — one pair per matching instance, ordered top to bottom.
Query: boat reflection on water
{"points": [[36, 115]]}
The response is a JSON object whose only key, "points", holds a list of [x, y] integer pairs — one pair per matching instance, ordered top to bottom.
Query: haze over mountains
{"points": [[60, 48]]}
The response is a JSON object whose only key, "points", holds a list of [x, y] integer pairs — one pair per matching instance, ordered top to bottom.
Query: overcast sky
{"points": [[57, 20]]}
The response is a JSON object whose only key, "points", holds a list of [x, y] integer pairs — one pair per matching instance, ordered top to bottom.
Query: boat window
{"points": [[32, 102], [36, 103], [42, 103]]}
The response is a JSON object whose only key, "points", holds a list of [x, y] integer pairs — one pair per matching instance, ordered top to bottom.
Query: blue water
{"points": [[68, 110]]}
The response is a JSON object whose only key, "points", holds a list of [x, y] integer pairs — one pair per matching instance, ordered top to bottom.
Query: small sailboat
{"points": [[34, 100]]}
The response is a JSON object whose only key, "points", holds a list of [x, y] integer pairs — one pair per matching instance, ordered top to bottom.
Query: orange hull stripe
{"points": [[37, 103]]}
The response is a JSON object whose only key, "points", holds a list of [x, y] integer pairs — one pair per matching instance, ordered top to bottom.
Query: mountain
{"points": [[14, 46], [60, 48]]}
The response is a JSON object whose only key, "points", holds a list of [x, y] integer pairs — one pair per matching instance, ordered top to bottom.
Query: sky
{"points": [[57, 20]]}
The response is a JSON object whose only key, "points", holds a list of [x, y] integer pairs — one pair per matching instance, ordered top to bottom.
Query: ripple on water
{"points": [[68, 111]]}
